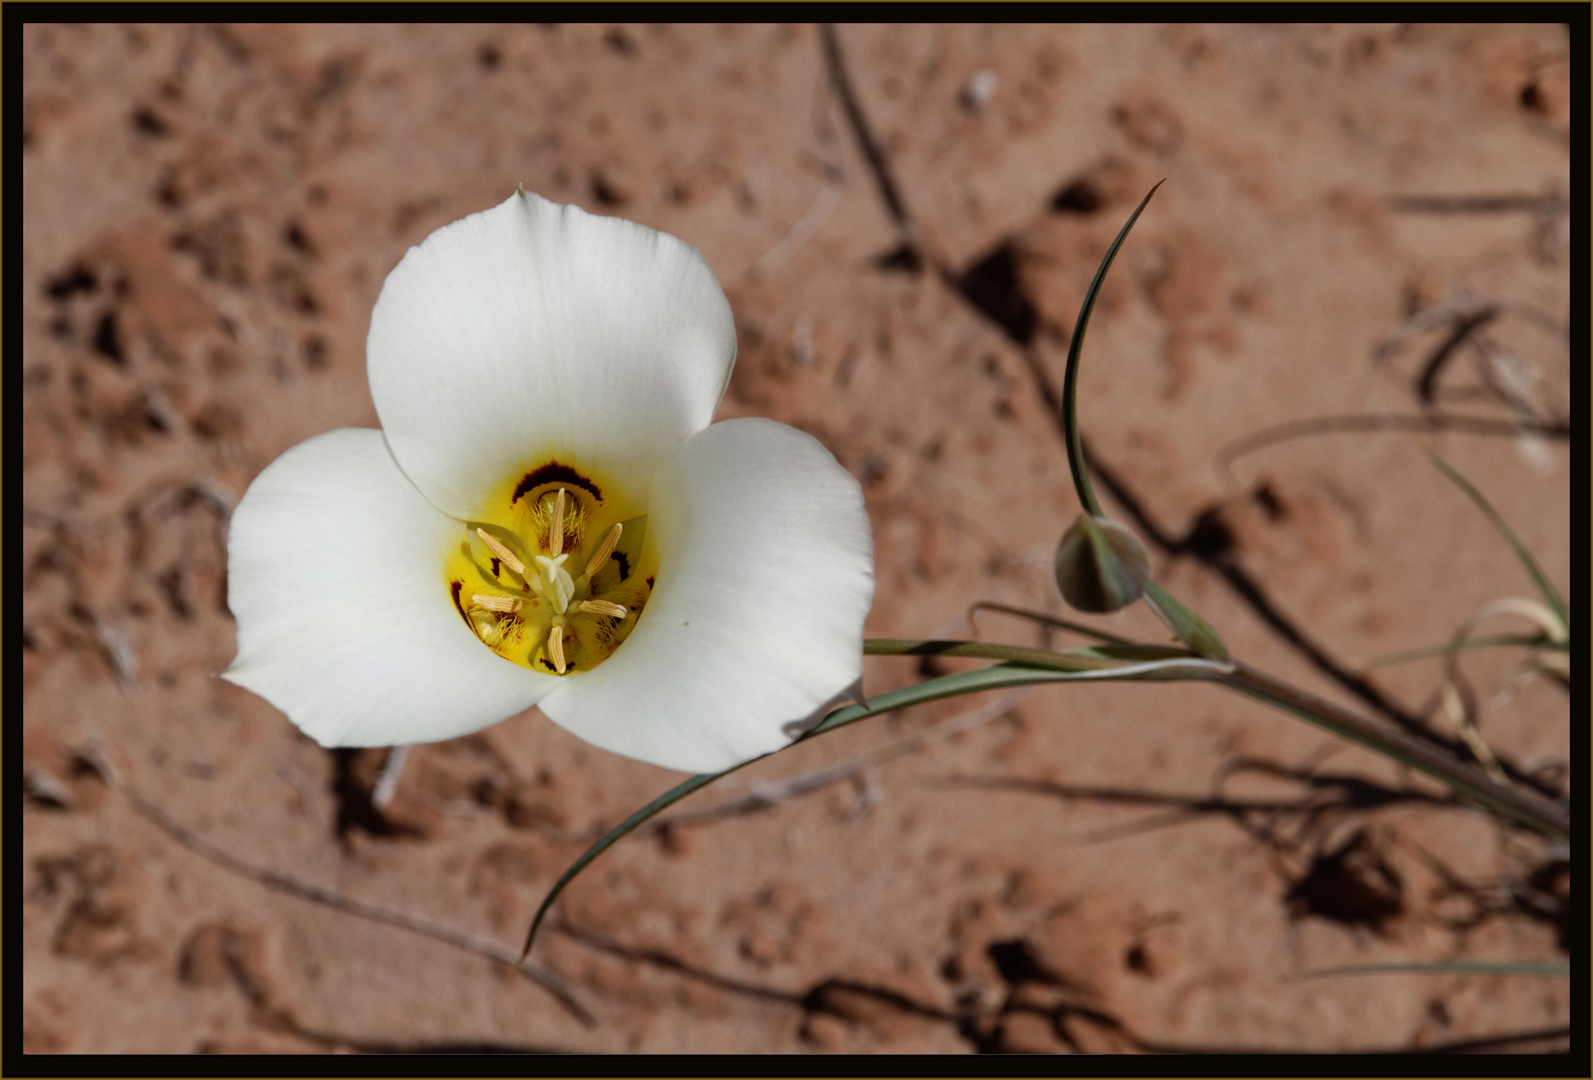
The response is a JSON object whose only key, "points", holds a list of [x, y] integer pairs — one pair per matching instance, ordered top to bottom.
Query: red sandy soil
{"points": [[209, 214]]}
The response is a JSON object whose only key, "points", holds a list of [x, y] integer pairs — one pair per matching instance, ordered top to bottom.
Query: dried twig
{"points": [[841, 83], [824, 203], [1469, 204], [1432, 422], [118, 650], [392, 773], [316, 894]]}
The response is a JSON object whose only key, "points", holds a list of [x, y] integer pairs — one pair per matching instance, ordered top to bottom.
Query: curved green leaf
{"points": [[1070, 379], [1546, 588], [1045, 620], [1189, 627], [1497, 641], [1084, 658], [1141, 666]]}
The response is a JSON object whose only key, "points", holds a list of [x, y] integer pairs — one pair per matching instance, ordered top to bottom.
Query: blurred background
{"points": [[1364, 233]]}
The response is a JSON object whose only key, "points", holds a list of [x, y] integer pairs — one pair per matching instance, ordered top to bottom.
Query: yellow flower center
{"points": [[514, 580]]}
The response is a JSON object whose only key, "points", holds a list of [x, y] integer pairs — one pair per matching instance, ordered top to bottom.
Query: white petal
{"points": [[534, 332], [335, 572], [765, 575]]}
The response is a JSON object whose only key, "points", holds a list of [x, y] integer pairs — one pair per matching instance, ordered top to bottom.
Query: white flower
{"points": [[547, 518]]}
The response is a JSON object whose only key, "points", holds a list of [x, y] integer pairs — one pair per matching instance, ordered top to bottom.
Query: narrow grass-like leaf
{"points": [[1070, 379], [1546, 589], [1046, 620], [1191, 629], [1498, 641], [985, 650], [1131, 652], [1105, 656], [1109, 662], [1003, 676], [931, 690], [1548, 816], [619, 832], [1453, 967]]}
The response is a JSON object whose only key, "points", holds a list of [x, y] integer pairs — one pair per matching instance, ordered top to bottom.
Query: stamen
{"points": [[556, 534], [502, 552], [604, 552], [497, 603], [603, 607], [556, 648]]}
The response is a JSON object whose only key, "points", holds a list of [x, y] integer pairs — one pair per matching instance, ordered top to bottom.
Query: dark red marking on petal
{"points": [[554, 472], [625, 564], [454, 587]]}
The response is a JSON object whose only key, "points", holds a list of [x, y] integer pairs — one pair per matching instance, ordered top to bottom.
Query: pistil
{"points": [[559, 585], [543, 613]]}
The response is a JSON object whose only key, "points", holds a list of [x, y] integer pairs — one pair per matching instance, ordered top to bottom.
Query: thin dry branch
{"points": [[316, 894]]}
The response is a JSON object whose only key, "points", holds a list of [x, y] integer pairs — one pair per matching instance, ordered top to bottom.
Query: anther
{"points": [[556, 534], [604, 552], [503, 553], [497, 603], [602, 607], [556, 648]]}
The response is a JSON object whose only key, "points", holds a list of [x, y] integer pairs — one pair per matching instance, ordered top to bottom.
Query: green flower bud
{"points": [[1100, 565]]}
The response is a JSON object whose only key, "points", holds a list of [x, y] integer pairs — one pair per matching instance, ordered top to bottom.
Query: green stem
{"points": [[1550, 594], [1047, 620], [1497, 641], [1094, 658], [1023, 667], [1521, 804]]}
